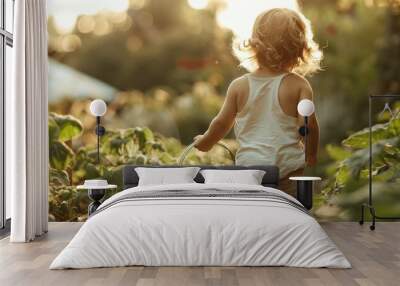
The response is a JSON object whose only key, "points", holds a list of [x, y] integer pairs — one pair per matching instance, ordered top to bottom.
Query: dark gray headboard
{"points": [[271, 177]]}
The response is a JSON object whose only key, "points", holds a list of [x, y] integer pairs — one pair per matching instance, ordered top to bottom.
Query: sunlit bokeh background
{"points": [[66, 12], [166, 64]]}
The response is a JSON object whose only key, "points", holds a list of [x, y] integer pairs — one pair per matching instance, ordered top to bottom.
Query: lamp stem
{"points": [[98, 138], [305, 138]]}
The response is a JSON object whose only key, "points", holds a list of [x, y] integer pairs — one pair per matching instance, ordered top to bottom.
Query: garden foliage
{"points": [[70, 165], [348, 188]]}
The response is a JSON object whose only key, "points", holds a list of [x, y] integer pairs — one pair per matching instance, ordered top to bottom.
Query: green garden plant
{"points": [[70, 165], [348, 188]]}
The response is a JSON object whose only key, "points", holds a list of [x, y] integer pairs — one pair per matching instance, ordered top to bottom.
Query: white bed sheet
{"points": [[200, 231]]}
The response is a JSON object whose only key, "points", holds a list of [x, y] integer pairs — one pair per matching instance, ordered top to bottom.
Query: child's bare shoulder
{"points": [[294, 83], [239, 85], [238, 92]]}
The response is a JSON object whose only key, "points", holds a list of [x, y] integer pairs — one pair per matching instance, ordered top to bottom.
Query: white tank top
{"points": [[266, 135]]}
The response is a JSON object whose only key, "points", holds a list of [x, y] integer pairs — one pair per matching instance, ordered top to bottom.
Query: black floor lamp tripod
{"points": [[370, 204]]}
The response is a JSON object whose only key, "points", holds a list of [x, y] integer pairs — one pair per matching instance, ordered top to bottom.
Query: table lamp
{"points": [[98, 108]]}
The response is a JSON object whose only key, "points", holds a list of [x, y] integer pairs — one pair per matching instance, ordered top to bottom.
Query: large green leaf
{"points": [[70, 127], [394, 127], [54, 130], [379, 132], [144, 135], [360, 139], [113, 145], [337, 153], [60, 156], [360, 158], [342, 175], [58, 177]]}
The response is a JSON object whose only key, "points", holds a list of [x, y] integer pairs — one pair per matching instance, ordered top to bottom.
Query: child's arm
{"points": [[222, 123], [313, 127]]}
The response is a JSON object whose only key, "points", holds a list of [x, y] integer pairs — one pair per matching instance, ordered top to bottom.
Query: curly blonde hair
{"points": [[282, 40]]}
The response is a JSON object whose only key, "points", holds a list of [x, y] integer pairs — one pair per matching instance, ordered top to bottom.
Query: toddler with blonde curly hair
{"points": [[262, 105]]}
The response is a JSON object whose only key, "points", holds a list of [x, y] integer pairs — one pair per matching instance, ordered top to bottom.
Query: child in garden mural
{"points": [[262, 105]]}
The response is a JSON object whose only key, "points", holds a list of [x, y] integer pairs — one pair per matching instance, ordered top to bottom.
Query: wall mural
{"points": [[163, 67]]}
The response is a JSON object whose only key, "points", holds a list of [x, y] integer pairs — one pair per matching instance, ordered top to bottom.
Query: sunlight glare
{"points": [[198, 4], [65, 12], [239, 15]]}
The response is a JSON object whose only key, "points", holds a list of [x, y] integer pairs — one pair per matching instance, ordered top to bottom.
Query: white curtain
{"points": [[26, 124]]}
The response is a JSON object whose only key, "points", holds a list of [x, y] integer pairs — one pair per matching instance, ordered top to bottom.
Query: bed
{"points": [[198, 224]]}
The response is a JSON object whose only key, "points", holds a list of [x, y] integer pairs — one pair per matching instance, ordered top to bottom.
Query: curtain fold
{"points": [[26, 119]]}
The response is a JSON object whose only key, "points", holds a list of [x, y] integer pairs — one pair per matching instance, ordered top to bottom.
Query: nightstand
{"points": [[305, 190], [96, 191]]}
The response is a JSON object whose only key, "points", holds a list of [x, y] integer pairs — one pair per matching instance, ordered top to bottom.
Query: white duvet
{"points": [[200, 231]]}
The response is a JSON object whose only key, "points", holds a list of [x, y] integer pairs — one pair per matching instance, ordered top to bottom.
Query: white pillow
{"points": [[166, 176], [248, 177]]}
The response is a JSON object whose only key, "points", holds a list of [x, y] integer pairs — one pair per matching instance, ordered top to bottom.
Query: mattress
{"points": [[201, 225]]}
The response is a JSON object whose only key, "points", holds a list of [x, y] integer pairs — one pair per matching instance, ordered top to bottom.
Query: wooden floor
{"points": [[375, 257]]}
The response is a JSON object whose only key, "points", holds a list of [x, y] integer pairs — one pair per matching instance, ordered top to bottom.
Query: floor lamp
{"points": [[98, 108], [305, 108]]}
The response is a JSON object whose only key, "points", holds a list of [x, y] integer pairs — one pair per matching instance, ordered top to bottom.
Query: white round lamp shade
{"points": [[98, 107], [305, 107]]}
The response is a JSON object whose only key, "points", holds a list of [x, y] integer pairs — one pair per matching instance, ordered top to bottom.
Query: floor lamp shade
{"points": [[98, 107], [305, 108]]}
